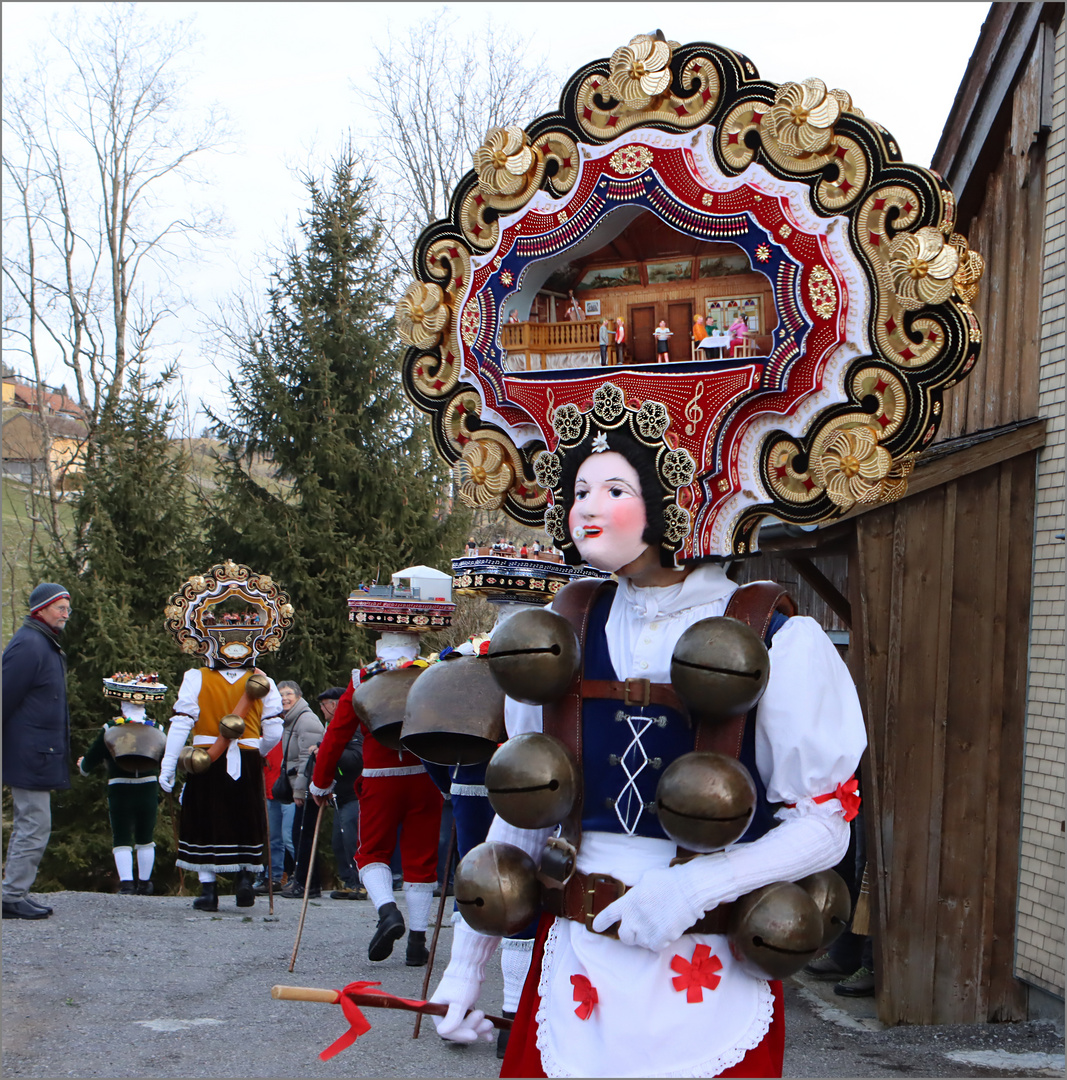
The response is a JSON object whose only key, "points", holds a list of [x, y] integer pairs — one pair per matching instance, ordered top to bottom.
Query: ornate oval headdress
{"points": [[871, 288], [229, 615]]}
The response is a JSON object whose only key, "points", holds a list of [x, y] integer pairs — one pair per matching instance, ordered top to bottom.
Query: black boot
{"points": [[126, 888], [144, 888], [244, 890], [208, 900], [390, 929], [417, 954], [502, 1035]]}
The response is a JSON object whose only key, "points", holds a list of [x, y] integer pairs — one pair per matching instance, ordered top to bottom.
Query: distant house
{"points": [[36, 439]]}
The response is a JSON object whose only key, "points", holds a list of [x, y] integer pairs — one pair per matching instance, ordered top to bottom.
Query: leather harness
{"points": [[584, 896]]}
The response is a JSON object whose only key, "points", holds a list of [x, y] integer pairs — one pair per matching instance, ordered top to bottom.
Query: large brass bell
{"points": [[534, 656], [720, 668], [257, 686], [380, 703], [455, 713], [231, 726], [135, 747], [194, 760], [532, 781], [705, 801], [496, 888], [831, 897], [775, 930]]}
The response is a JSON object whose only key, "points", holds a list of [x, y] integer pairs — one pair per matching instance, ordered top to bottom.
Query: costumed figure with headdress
{"points": [[229, 616], [131, 747], [680, 765], [396, 793]]}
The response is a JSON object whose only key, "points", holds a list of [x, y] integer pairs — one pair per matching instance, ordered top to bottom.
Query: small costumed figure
{"points": [[233, 711], [131, 746]]}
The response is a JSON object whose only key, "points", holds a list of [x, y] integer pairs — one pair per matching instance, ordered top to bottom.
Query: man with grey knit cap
{"points": [[36, 747]]}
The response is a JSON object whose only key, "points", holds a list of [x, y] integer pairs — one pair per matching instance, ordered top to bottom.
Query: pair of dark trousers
{"points": [[31, 827], [303, 838], [346, 841]]}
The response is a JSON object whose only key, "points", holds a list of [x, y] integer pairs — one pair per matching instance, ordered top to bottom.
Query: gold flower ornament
{"points": [[639, 71], [803, 115], [503, 160], [922, 265], [422, 315], [853, 466], [483, 474]]}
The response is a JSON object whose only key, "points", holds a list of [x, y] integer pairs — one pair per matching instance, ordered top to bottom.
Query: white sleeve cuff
{"points": [[316, 790]]}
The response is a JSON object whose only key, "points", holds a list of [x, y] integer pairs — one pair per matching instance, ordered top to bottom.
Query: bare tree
{"points": [[433, 101], [96, 154]]}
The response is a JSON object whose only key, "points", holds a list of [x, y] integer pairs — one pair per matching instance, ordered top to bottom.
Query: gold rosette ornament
{"points": [[639, 71], [803, 115], [504, 160], [922, 265], [422, 315], [852, 466], [483, 474]]}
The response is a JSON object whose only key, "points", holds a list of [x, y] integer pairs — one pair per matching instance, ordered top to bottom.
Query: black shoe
{"points": [[262, 887], [126, 888], [144, 888], [295, 891], [448, 892], [244, 893], [343, 894], [208, 900], [37, 904], [22, 909], [390, 929], [417, 953], [826, 967], [859, 984], [502, 1035]]}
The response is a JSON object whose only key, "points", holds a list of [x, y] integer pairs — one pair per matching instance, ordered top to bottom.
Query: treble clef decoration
{"points": [[693, 412], [550, 414]]}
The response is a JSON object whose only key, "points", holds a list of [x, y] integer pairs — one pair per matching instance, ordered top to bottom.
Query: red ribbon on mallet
{"points": [[847, 794], [694, 975], [585, 994], [358, 1023]]}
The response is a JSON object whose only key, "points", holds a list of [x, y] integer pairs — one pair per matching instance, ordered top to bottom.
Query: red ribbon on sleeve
{"points": [[847, 794], [696, 974], [585, 994], [358, 1023]]}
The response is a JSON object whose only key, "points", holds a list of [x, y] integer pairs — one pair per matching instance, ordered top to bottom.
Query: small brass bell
{"points": [[534, 656], [720, 668], [257, 685], [231, 726], [194, 760], [532, 781], [705, 801], [496, 889], [831, 897], [775, 930]]}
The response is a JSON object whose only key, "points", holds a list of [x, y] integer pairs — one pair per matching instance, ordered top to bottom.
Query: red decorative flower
{"points": [[697, 973], [585, 994]]}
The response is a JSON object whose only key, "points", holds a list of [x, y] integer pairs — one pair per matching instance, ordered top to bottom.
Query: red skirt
{"points": [[524, 1059]]}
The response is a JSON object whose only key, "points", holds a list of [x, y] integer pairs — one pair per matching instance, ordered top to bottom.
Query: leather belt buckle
{"points": [[645, 689], [601, 890]]}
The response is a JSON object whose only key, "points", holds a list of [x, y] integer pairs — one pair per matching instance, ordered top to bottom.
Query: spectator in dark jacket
{"points": [[36, 741], [346, 803]]}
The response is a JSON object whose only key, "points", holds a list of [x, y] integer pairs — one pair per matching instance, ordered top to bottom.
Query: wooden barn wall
{"points": [[1007, 230], [778, 568], [940, 605]]}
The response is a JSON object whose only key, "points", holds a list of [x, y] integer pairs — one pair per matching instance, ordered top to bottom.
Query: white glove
{"points": [[177, 733], [166, 785], [665, 902], [460, 986]]}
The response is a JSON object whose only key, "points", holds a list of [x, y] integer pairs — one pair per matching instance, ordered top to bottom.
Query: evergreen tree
{"points": [[360, 492], [134, 541]]}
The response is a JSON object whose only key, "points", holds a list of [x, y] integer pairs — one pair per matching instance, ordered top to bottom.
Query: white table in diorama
{"points": [[715, 341]]}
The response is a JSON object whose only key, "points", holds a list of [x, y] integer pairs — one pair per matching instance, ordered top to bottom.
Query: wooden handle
{"points": [[304, 993], [373, 1000]]}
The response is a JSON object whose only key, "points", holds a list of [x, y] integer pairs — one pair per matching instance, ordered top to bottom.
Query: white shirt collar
{"points": [[708, 582]]}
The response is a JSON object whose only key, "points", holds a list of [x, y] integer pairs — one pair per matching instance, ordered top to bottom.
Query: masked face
{"points": [[608, 518]]}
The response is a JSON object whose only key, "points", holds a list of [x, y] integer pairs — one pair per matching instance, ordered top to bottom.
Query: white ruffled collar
{"points": [[707, 583]]}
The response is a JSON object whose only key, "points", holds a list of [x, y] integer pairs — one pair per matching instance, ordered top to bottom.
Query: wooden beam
{"points": [[824, 588]]}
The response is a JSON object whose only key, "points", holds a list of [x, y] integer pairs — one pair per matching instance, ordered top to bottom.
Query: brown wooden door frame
{"points": [[642, 343], [678, 348]]}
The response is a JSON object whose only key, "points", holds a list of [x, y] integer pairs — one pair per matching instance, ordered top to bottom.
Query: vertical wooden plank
{"points": [[993, 213]]}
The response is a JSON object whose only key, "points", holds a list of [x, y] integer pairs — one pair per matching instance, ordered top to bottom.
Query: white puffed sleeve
{"points": [[186, 712], [520, 719], [809, 728]]}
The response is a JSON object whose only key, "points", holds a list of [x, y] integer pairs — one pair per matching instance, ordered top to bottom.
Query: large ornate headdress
{"points": [[870, 285], [229, 615]]}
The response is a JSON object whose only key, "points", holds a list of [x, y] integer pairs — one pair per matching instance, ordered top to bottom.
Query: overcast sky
{"points": [[286, 74]]}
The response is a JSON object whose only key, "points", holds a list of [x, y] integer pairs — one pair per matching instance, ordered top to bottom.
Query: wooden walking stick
{"points": [[174, 822], [270, 868], [307, 877], [440, 919]]}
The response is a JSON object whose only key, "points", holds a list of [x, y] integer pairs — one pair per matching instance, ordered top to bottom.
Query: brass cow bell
{"points": [[534, 656], [720, 668], [257, 686], [380, 703], [454, 713], [231, 726], [135, 747], [194, 760], [532, 781], [705, 801], [496, 889], [831, 897], [774, 931]]}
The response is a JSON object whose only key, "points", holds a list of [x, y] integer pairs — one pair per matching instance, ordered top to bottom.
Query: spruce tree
{"points": [[359, 492], [134, 541]]}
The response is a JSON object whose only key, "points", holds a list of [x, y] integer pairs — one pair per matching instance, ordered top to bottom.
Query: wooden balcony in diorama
{"points": [[536, 346]]}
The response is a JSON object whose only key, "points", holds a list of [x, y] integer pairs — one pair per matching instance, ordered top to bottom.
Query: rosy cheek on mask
{"points": [[623, 522]]}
